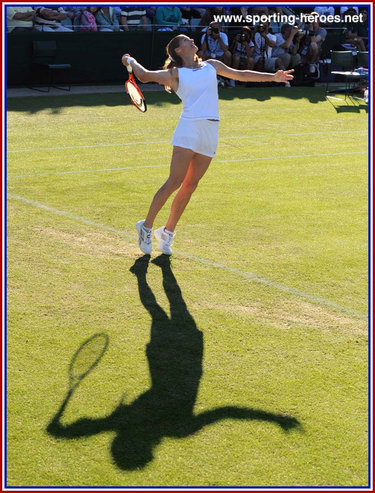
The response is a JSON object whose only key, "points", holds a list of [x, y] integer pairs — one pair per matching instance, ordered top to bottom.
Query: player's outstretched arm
{"points": [[251, 75]]}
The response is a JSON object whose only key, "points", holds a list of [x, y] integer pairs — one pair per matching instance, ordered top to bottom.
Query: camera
{"points": [[261, 28], [215, 30], [243, 37]]}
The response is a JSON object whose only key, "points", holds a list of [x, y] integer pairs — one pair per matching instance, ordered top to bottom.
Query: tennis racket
{"points": [[134, 92], [86, 358]]}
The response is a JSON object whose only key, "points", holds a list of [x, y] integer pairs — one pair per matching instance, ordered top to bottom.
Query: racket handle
{"points": [[129, 59]]}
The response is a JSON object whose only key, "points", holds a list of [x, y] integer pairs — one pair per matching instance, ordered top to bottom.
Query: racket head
{"points": [[135, 94], [87, 356]]}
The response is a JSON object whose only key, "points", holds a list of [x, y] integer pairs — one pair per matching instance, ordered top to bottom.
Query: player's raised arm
{"points": [[163, 77]]}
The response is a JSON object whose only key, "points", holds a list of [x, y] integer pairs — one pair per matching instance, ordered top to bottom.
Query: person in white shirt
{"points": [[324, 10], [20, 19], [49, 20], [264, 41], [215, 44], [287, 45], [195, 138]]}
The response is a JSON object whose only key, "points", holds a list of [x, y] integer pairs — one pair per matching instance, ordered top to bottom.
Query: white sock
{"points": [[147, 229], [170, 233]]}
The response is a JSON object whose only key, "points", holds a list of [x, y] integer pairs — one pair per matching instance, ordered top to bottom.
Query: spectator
{"points": [[260, 10], [343, 10], [244, 11], [326, 11], [118, 12], [192, 12], [237, 12], [70, 13], [150, 13], [186, 13], [209, 15], [150, 16], [168, 16], [191, 16], [132, 18], [20, 19], [49, 20], [87, 20], [107, 20], [275, 26], [363, 27], [356, 33], [264, 41], [215, 44], [311, 45], [287, 46], [242, 49]]}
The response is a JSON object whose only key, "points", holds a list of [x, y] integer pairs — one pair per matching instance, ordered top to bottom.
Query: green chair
{"points": [[362, 59], [346, 61], [44, 62]]}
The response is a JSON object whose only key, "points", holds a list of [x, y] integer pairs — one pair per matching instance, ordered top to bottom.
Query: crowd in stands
{"points": [[266, 46]]}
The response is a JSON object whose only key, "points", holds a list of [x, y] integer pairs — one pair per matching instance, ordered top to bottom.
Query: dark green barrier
{"points": [[95, 57]]}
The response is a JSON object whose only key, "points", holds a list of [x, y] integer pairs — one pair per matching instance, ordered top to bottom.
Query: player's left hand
{"points": [[283, 75]]}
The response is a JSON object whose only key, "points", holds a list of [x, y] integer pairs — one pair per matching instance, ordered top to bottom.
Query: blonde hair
{"points": [[174, 60]]}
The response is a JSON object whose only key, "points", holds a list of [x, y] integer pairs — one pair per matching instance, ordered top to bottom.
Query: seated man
{"points": [[170, 17], [133, 18], [20, 19], [49, 20], [107, 20], [356, 33], [264, 41], [215, 44], [287, 45], [311, 45], [242, 50]]}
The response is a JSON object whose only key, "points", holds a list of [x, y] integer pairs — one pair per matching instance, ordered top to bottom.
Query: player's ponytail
{"points": [[173, 60]]}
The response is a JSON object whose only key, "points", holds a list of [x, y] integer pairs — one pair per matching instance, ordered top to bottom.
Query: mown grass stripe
{"points": [[247, 137], [124, 168], [247, 275]]}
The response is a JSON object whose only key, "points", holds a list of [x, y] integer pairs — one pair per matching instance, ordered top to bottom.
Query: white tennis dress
{"points": [[197, 89]]}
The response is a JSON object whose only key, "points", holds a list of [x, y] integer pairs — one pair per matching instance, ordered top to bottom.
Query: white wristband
{"points": [[129, 59]]}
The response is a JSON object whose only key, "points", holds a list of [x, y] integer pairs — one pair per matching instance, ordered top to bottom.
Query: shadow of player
{"points": [[166, 409]]}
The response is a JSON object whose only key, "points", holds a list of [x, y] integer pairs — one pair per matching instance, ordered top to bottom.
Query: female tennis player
{"points": [[195, 138]]}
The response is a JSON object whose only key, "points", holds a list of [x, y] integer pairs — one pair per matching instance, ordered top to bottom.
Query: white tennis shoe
{"points": [[144, 237], [165, 240]]}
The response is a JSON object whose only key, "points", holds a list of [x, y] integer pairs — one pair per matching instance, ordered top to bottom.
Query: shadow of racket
{"points": [[86, 358]]}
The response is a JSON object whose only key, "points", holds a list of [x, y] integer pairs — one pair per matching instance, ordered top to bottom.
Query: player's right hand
{"points": [[125, 58]]}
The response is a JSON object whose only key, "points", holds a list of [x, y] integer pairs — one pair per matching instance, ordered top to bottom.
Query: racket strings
{"points": [[135, 95], [87, 356]]}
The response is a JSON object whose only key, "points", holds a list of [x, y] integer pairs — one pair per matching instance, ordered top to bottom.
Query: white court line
{"points": [[120, 144], [267, 158], [247, 275]]}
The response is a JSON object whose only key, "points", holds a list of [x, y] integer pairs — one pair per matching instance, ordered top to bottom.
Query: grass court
{"points": [[243, 362]]}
